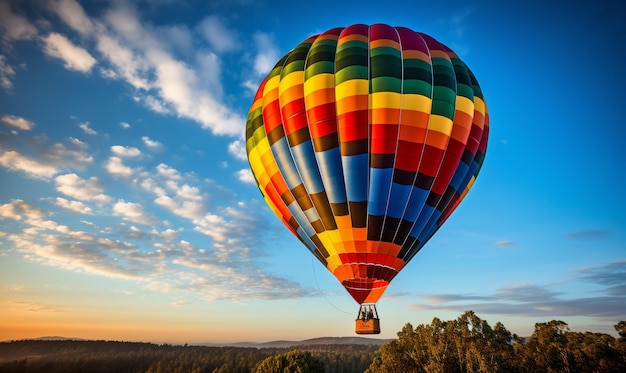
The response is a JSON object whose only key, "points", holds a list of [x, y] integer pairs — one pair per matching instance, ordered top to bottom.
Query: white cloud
{"points": [[73, 15], [124, 21], [15, 26], [217, 34], [177, 38], [136, 53], [139, 54], [267, 54], [75, 58], [147, 58], [126, 64], [209, 72], [6, 73], [251, 86], [180, 87], [153, 103], [18, 122], [124, 125], [88, 130], [152, 144], [237, 148], [125, 151], [72, 154], [48, 158], [17, 162], [115, 167], [168, 172], [245, 175], [149, 185], [85, 190], [187, 192], [180, 198], [75, 206], [18, 209], [186, 209], [133, 212], [213, 226], [168, 235], [504, 244], [83, 252]]}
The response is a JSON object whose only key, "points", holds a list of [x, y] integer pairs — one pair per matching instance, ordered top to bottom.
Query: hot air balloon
{"points": [[363, 140]]}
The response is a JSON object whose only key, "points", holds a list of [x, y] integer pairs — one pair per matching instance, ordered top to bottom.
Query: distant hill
{"points": [[56, 338], [306, 342], [273, 344]]}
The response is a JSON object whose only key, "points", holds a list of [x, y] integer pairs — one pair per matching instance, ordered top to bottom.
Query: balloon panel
{"points": [[363, 140]]}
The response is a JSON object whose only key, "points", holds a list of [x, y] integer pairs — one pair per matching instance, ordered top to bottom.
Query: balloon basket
{"points": [[367, 321], [371, 326]]}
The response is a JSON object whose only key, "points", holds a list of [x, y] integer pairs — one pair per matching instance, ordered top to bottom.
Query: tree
{"points": [[620, 327], [620, 344], [465, 345], [546, 349], [400, 355], [294, 361]]}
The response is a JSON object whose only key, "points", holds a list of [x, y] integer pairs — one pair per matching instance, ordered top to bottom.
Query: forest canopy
{"points": [[470, 344]]}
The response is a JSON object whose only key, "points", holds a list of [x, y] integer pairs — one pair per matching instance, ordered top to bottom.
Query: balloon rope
{"points": [[320, 290]]}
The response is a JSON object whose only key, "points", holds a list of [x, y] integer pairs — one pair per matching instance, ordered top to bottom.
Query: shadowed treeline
{"points": [[464, 345], [30, 356]]}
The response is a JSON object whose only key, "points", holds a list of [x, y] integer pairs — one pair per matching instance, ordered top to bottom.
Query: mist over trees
{"points": [[467, 344]]}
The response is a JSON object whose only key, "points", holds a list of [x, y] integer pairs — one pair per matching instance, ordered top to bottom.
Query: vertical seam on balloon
{"points": [[465, 71], [280, 112], [369, 137], [310, 138], [315, 155], [341, 159], [469, 173], [273, 186], [408, 200], [408, 253], [378, 268]]}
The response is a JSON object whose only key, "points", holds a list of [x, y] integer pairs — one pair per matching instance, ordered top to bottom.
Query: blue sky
{"points": [[127, 209]]}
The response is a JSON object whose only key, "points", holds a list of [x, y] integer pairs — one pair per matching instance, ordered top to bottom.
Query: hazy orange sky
{"points": [[128, 210]]}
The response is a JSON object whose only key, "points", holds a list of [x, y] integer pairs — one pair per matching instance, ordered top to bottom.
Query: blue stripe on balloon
{"points": [[304, 158], [285, 164], [356, 169], [332, 174], [380, 178], [398, 200], [416, 201], [422, 220]]}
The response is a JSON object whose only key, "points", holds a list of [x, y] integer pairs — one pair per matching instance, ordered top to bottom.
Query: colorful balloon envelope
{"points": [[363, 140]]}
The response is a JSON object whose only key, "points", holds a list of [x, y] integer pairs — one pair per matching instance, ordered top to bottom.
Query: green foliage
{"points": [[621, 330], [469, 344], [33, 356], [294, 361]]}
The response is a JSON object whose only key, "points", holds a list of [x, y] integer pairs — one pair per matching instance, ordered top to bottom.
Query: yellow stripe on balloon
{"points": [[351, 88], [386, 100], [416, 102], [465, 105], [440, 124]]}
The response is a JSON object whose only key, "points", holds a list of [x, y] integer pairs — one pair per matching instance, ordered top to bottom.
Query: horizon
{"points": [[128, 209], [207, 344]]}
